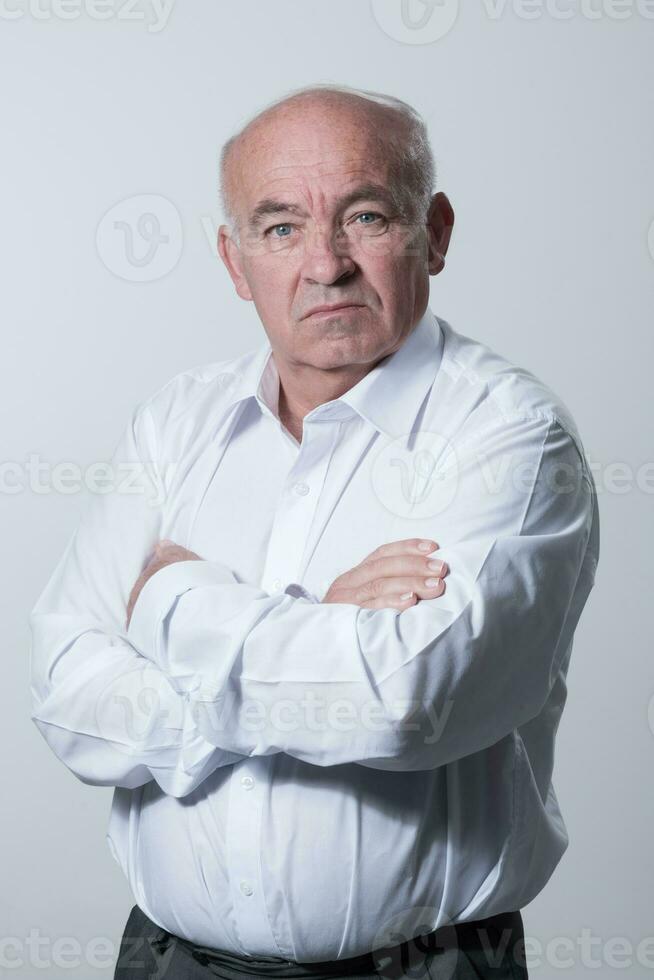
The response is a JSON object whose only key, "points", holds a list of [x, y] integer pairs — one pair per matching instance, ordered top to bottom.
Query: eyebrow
{"points": [[364, 192]]}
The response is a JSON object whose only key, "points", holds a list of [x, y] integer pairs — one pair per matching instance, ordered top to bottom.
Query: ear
{"points": [[440, 222], [231, 255]]}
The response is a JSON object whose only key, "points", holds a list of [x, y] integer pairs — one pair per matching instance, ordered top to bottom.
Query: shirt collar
{"points": [[388, 397]]}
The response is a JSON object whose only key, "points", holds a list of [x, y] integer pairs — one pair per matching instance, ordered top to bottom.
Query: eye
{"points": [[368, 214], [369, 223], [275, 228]]}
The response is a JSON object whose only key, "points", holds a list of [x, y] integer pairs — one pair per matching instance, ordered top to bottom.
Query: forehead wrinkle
{"points": [[372, 129], [269, 140], [320, 168], [366, 191], [275, 198]]}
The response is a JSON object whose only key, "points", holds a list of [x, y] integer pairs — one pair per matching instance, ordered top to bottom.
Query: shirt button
{"points": [[302, 489], [276, 584], [247, 782], [246, 888]]}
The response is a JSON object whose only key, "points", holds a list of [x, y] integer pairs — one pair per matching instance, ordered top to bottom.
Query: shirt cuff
{"points": [[160, 591]]}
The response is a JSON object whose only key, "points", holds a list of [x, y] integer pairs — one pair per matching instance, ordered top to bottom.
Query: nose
{"points": [[326, 259]]}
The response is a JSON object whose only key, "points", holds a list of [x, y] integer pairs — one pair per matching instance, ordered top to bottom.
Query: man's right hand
{"points": [[395, 570]]}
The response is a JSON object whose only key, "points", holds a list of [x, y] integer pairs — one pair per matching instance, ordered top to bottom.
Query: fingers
{"points": [[406, 546], [416, 566], [397, 569], [394, 588], [426, 591], [398, 593], [390, 602]]}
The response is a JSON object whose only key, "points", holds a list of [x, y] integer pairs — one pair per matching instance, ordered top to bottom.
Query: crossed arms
{"points": [[211, 670]]}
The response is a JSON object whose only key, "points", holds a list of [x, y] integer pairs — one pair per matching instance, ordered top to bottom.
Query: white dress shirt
{"points": [[290, 774]]}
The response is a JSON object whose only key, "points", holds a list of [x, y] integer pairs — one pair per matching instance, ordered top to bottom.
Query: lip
{"points": [[324, 310]]}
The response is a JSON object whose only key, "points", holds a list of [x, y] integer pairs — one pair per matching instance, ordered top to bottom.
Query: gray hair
{"points": [[412, 160]]}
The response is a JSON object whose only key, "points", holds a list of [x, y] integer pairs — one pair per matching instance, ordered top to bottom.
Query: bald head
{"points": [[383, 126], [333, 231]]}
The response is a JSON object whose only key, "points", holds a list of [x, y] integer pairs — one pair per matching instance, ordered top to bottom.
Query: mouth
{"points": [[341, 308]]}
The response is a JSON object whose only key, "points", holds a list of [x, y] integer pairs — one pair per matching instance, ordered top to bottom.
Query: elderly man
{"points": [[318, 641]]}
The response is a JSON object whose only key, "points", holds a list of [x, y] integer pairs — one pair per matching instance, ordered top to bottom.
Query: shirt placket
{"points": [[297, 506], [250, 778]]}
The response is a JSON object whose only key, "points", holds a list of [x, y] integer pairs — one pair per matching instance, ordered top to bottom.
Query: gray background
{"points": [[542, 128]]}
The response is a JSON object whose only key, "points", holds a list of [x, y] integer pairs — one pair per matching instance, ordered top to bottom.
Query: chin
{"points": [[342, 351]]}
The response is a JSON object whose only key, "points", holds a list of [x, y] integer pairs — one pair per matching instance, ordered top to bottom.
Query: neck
{"points": [[303, 387]]}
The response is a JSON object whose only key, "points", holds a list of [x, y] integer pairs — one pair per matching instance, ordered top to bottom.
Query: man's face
{"points": [[320, 225]]}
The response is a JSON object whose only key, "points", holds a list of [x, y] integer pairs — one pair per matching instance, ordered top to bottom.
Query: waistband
{"points": [[463, 936]]}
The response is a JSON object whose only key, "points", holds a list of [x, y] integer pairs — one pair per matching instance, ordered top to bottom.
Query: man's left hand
{"points": [[165, 553]]}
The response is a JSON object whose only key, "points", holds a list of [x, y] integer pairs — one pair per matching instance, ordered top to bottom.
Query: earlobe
{"points": [[439, 224], [231, 257], [436, 258], [437, 263]]}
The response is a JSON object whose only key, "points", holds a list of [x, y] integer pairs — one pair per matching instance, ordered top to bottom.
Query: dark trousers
{"points": [[486, 948]]}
